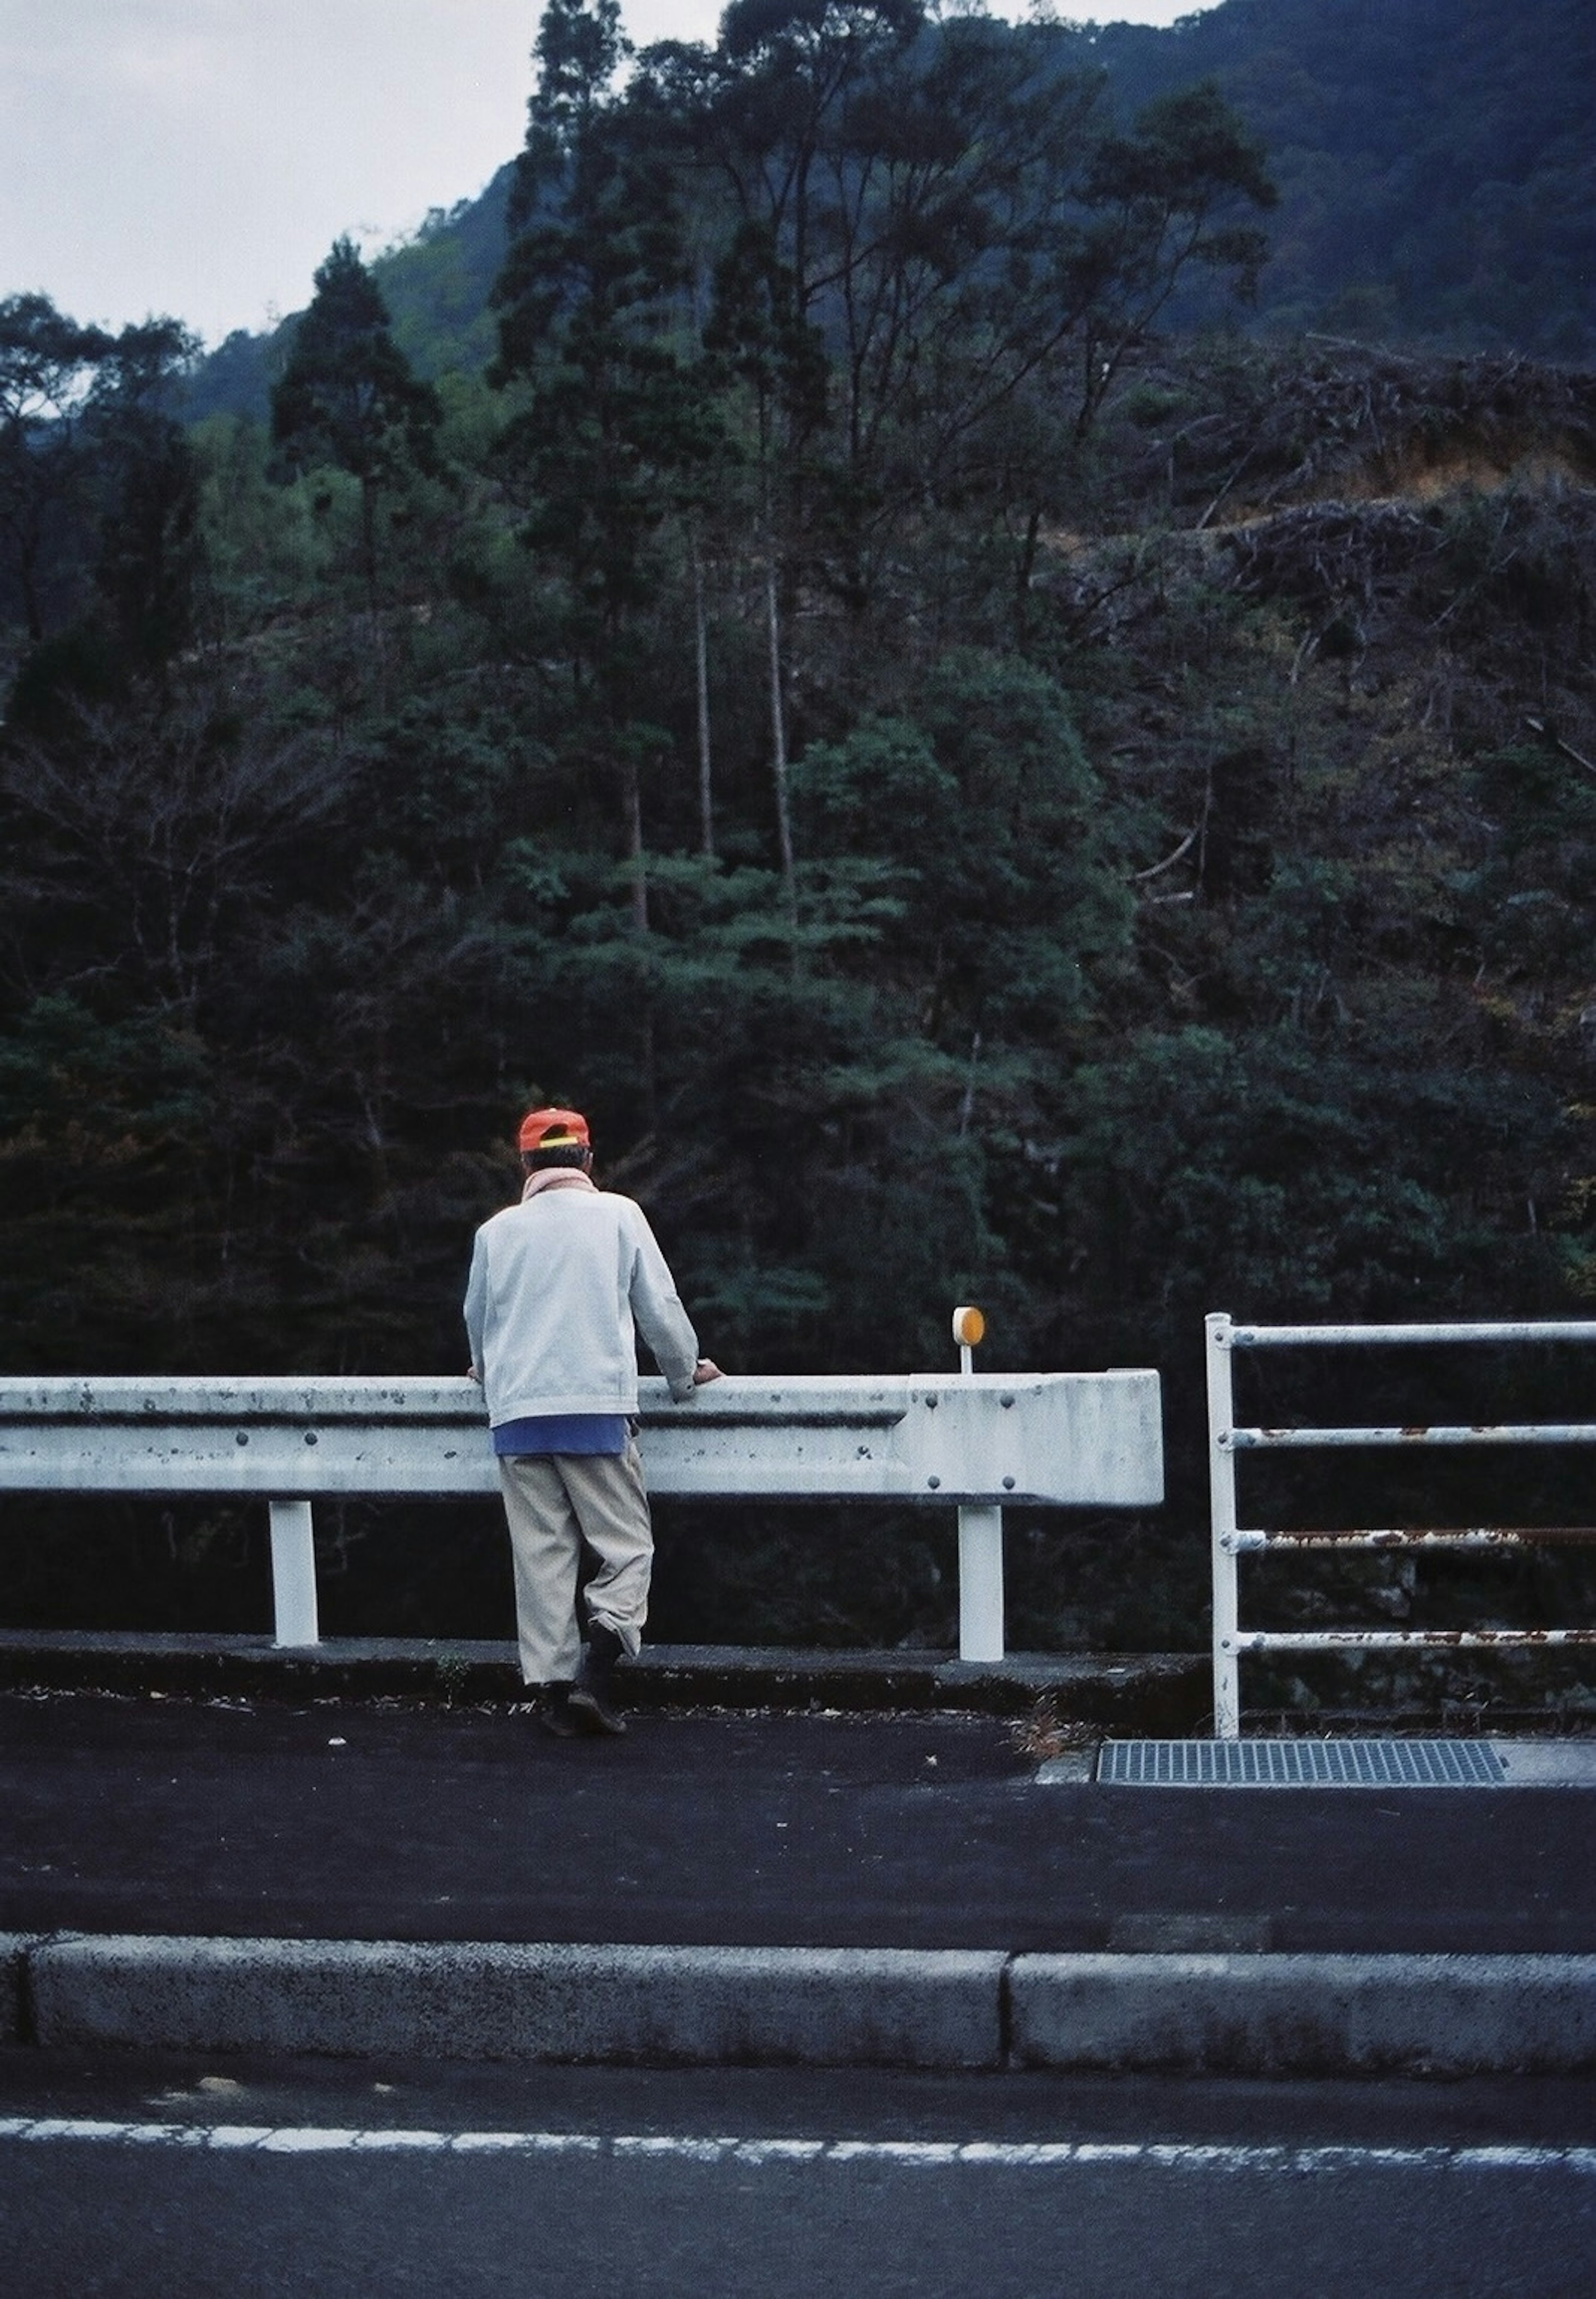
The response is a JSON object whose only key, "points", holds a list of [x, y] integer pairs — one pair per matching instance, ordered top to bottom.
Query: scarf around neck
{"points": [[556, 1177]]}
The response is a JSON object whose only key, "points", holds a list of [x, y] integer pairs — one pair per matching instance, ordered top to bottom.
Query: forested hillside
{"points": [[1433, 159], [980, 795]]}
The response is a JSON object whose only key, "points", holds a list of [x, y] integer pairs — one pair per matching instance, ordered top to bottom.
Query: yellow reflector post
{"points": [[969, 1328]]}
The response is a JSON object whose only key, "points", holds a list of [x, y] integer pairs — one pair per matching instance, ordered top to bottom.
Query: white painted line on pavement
{"points": [[926, 2154]]}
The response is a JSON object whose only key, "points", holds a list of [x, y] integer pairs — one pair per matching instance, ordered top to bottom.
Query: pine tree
{"points": [[348, 395], [615, 431]]}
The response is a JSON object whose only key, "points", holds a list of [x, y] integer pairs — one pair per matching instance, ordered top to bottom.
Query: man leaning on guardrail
{"points": [[559, 1286]]}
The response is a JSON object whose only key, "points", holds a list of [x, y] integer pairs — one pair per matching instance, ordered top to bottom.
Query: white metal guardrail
{"points": [[978, 1442], [1231, 1541]]}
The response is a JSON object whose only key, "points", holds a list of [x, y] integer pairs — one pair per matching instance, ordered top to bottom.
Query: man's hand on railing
{"points": [[706, 1369]]}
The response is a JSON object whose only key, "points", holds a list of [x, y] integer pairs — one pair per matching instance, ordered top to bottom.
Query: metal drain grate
{"points": [[1301, 1764]]}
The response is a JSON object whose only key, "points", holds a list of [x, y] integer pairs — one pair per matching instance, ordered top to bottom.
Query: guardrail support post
{"points": [[1221, 1474], [293, 1575], [981, 1583]]}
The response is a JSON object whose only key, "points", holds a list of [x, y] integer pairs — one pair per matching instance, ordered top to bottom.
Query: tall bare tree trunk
{"points": [[701, 651], [778, 716], [632, 802]]}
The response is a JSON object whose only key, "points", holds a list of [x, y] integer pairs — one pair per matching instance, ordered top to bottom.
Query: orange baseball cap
{"points": [[554, 1129]]}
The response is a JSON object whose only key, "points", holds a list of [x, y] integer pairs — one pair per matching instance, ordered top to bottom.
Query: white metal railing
{"points": [[977, 1442], [1231, 1541]]}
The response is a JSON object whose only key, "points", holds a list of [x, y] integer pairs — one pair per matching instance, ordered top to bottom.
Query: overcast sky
{"points": [[199, 157]]}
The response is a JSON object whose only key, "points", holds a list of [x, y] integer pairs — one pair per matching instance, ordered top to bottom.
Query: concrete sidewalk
{"points": [[380, 1875]]}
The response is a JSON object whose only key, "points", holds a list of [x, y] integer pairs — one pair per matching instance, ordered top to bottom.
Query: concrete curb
{"points": [[1136, 1693], [13, 1975], [819, 2007], [1242, 2014], [1303, 2015]]}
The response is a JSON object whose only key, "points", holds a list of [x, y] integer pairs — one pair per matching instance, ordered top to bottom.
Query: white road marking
{"points": [[923, 2154]]}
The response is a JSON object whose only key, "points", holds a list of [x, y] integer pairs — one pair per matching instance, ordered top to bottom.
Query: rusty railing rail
{"points": [[1231, 1541]]}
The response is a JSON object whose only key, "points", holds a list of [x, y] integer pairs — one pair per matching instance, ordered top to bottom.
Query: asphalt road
{"points": [[365, 1820], [148, 2177]]}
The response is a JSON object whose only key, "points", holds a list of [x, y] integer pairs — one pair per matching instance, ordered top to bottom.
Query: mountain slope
{"points": [[1435, 158], [436, 287]]}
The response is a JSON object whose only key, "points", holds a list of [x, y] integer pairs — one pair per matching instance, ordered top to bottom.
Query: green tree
{"points": [[757, 115], [1172, 195], [923, 226], [46, 364], [348, 395], [613, 430], [147, 476], [100, 499], [978, 805]]}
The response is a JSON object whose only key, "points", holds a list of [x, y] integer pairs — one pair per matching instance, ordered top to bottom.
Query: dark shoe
{"points": [[592, 1703], [553, 1711]]}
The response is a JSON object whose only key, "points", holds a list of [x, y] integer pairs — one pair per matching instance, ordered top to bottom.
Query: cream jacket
{"points": [[559, 1287]]}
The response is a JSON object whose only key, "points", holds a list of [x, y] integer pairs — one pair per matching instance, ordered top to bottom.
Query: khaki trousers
{"points": [[556, 1503]]}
